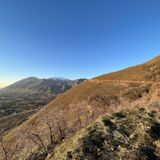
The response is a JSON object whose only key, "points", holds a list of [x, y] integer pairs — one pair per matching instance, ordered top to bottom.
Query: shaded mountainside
{"points": [[34, 85], [31, 93], [23, 98], [78, 106], [133, 135]]}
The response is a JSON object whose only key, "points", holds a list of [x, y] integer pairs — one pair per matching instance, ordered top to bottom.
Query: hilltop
{"points": [[77, 107]]}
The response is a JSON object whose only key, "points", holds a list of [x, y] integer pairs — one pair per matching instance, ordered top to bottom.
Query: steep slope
{"points": [[147, 71], [77, 107], [132, 135]]}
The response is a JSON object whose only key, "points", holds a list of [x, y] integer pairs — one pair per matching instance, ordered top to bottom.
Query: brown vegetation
{"points": [[79, 106], [132, 135]]}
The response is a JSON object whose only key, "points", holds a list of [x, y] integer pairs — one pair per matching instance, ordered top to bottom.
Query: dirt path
{"points": [[123, 81]]}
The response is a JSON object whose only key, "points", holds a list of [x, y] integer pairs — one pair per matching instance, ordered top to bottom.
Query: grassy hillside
{"points": [[147, 71], [78, 106], [123, 135]]}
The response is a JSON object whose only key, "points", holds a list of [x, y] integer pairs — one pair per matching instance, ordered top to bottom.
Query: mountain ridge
{"points": [[33, 85]]}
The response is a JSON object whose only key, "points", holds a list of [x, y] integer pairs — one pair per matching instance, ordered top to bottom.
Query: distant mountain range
{"points": [[35, 85], [25, 97]]}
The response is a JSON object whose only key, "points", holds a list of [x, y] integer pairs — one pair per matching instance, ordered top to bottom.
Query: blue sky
{"points": [[75, 38]]}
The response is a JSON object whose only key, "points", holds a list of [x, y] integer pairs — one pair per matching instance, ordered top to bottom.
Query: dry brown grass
{"points": [[79, 96], [123, 135]]}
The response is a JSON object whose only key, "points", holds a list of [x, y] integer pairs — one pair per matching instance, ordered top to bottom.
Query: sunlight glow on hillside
{"points": [[4, 84]]}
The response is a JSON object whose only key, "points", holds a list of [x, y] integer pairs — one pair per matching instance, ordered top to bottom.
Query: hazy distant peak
{"points": [[59, 78], [53, 85]]}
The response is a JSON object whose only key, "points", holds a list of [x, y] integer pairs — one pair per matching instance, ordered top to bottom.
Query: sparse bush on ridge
{"points": [[109, 137]]}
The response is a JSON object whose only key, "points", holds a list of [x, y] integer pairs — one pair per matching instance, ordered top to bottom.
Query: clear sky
{"points": [[75, 38]]}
